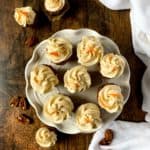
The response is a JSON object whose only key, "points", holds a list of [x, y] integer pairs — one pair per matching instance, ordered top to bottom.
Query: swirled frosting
{"points": [[54, 5], [24, 16], [58, 49], [89, 51], [112, 65], [43, 79], [77, 79], [110, 98], [58, 108], [88, 116], [45, 138]]}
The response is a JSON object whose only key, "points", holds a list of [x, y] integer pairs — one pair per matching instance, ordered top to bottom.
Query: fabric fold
{"points": [[128, 135]]}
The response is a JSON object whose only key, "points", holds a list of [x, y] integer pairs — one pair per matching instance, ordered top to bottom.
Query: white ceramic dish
{"points": [[37, 100]]}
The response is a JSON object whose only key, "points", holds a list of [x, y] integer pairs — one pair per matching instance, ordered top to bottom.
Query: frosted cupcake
{"points": [[54, 5], [54, 9], [25, 16], [58, 49], [89, 51], [112, 65], [43, 79], [77, 79], [110, 98], [58, 108], [88, 117], [45, 138]]}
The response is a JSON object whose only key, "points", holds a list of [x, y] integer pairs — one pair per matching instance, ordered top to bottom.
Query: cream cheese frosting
{"points": [[54, 5], [24, 16], [58, 49], [89, 50], [112, 65], [43, 79], [77, 79], [110, 98], [58, 108], [88, 117], [45, 138]]}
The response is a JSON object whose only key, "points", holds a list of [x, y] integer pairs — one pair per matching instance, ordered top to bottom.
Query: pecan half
{"points": [[14, 101], [23, 103], [24, 119], [108, 137]]}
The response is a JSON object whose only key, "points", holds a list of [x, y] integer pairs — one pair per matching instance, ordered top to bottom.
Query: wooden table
{"points": [[14, 55]]}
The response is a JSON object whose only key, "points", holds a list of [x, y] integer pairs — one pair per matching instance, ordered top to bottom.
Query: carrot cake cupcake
{"points": [[54, 9], [25, 16], [58, 49], [89, 50], [112, 65], [43, 79], [77, 79], [110, 98], [58, 108], [88, 117], [45, 138]]}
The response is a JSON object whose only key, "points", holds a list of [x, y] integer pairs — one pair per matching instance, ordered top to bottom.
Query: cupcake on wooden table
{"points": [[54, 9], [25, 16], [58, 50], [89, 50], [112, 65], [43, 79], [77, 79], [110, 98], [58, 108], [88, 117], [45, 138]]}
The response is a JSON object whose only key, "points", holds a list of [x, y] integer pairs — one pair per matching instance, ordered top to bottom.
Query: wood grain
{"points": [[14, 55]]}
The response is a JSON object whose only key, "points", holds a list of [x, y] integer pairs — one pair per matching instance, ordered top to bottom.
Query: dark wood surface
{"points": [[14, 55]]}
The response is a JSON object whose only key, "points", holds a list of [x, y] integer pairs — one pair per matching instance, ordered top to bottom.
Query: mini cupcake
{"points": [[54, 5], [54, 9], [25, 16], [58, 50], [89, 51], [112, 65], [43, 79], [77, 79], [110, 98], [58, 108], [88, 117], [45, 138]]}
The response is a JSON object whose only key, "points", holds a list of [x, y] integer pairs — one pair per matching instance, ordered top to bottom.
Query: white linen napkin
{"points": [[128, 136], [133, 136]]}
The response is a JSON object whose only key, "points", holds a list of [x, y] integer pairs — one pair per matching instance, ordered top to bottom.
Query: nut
{"points": [[31, 41], [14, 101], [19, 101], [23, 103], [24, 119], [108, 137], [104, 142]]}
